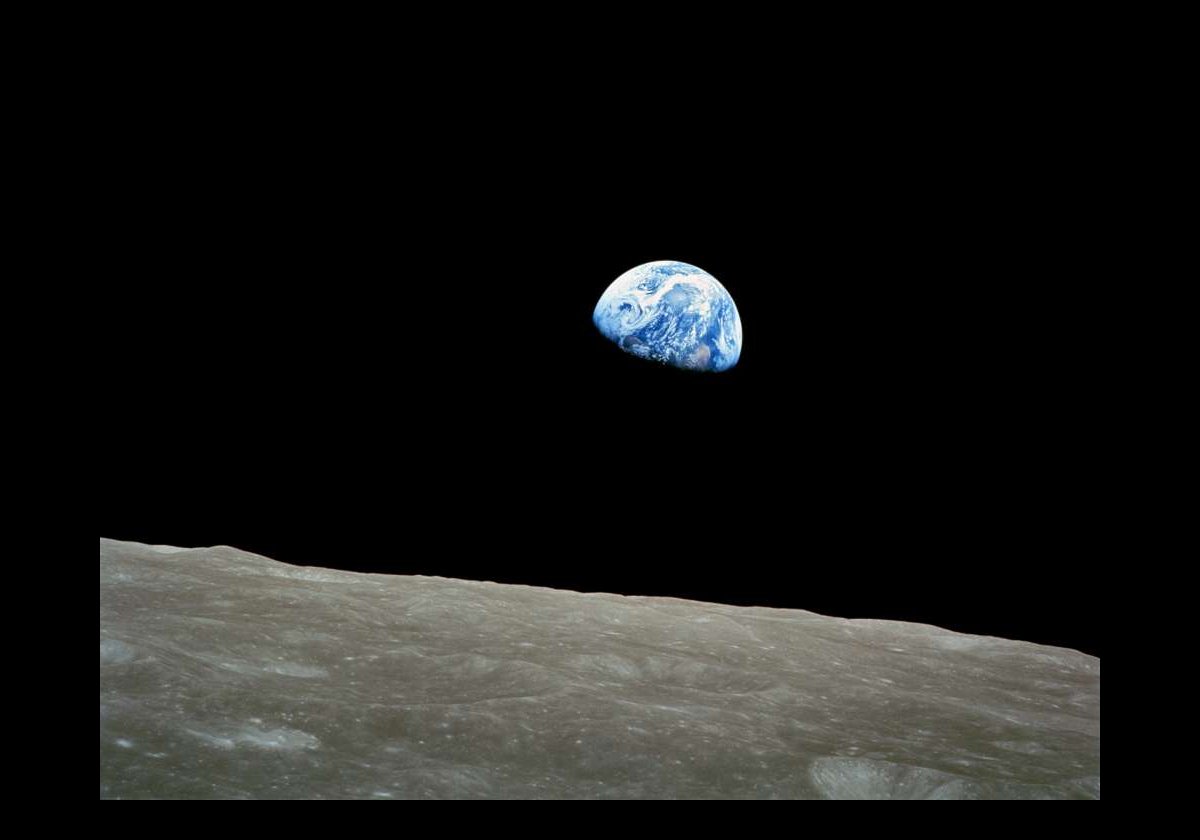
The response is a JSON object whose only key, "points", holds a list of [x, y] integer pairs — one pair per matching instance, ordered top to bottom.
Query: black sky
{"points": [[333, 355]]}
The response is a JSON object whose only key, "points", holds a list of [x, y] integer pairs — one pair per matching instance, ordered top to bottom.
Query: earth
{"points": [[673, 313]]}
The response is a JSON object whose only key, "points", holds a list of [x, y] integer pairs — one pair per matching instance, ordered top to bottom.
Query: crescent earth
{"points": [[673, 313]]}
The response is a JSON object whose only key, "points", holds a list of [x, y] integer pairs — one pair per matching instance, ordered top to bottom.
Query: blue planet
{"points": [[673, 313]]}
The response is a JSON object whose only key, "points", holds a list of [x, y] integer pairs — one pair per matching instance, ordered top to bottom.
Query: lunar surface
{"points": [[674, 313], [224, 674]]}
